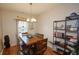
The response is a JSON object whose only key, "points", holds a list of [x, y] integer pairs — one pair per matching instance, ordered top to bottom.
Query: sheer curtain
{"points": [[22, 26]]}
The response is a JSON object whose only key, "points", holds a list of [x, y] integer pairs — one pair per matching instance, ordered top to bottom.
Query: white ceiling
{"points": [[37, 8]]}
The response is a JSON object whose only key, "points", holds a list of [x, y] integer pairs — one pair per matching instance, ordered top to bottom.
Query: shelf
{"points": [[72, 20], [60, 21], [59, 29], [66, 31], [72, 31], [66, 34], [59, 37], [66, 40], [70, 42], [63, 46], [66, 46], [71, 48], [61, 50], [66, 52]]}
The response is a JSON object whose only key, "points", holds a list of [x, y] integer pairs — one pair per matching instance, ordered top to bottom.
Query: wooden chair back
{"points": [[40, 35], [41, 46], [23, 48]]}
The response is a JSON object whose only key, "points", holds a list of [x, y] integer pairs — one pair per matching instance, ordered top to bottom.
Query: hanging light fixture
{"points": [[31, 19]]}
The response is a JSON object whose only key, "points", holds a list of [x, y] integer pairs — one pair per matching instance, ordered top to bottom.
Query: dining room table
{"points": [[30, 40]]}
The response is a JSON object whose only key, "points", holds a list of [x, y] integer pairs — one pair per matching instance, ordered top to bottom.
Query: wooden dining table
{"points": [[29, 41]]}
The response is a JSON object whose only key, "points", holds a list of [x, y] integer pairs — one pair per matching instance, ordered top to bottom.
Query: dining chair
{"points": [[40, 35], [41, 46], [23, 49]]}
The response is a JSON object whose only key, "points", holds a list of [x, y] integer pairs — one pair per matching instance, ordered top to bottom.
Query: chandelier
{"points": [[31, 19]]}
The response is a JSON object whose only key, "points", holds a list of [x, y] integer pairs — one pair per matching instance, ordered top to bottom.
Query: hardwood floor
{"points": [[10, 51], [13, 51], [49, 51]]}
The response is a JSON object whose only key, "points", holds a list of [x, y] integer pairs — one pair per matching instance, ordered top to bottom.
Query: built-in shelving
{"points": [[68, 31]]}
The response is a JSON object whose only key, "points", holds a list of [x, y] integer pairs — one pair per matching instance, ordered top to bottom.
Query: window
{"points": [[22, 27]]}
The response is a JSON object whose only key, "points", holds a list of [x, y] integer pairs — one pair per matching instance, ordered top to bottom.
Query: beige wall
{"points": [[45, 21], [9, 24], [0, 34]]}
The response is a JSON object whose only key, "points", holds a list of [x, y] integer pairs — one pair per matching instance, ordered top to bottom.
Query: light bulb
{"points": [[28, 20], [33, 20]]}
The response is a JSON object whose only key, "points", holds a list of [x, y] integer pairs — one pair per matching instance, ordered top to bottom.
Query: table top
{"points": [[29, 41]]}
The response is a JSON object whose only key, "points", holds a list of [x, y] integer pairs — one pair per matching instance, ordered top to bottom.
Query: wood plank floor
{"points": [[10, 51], [13, 51], [49, 51]]}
